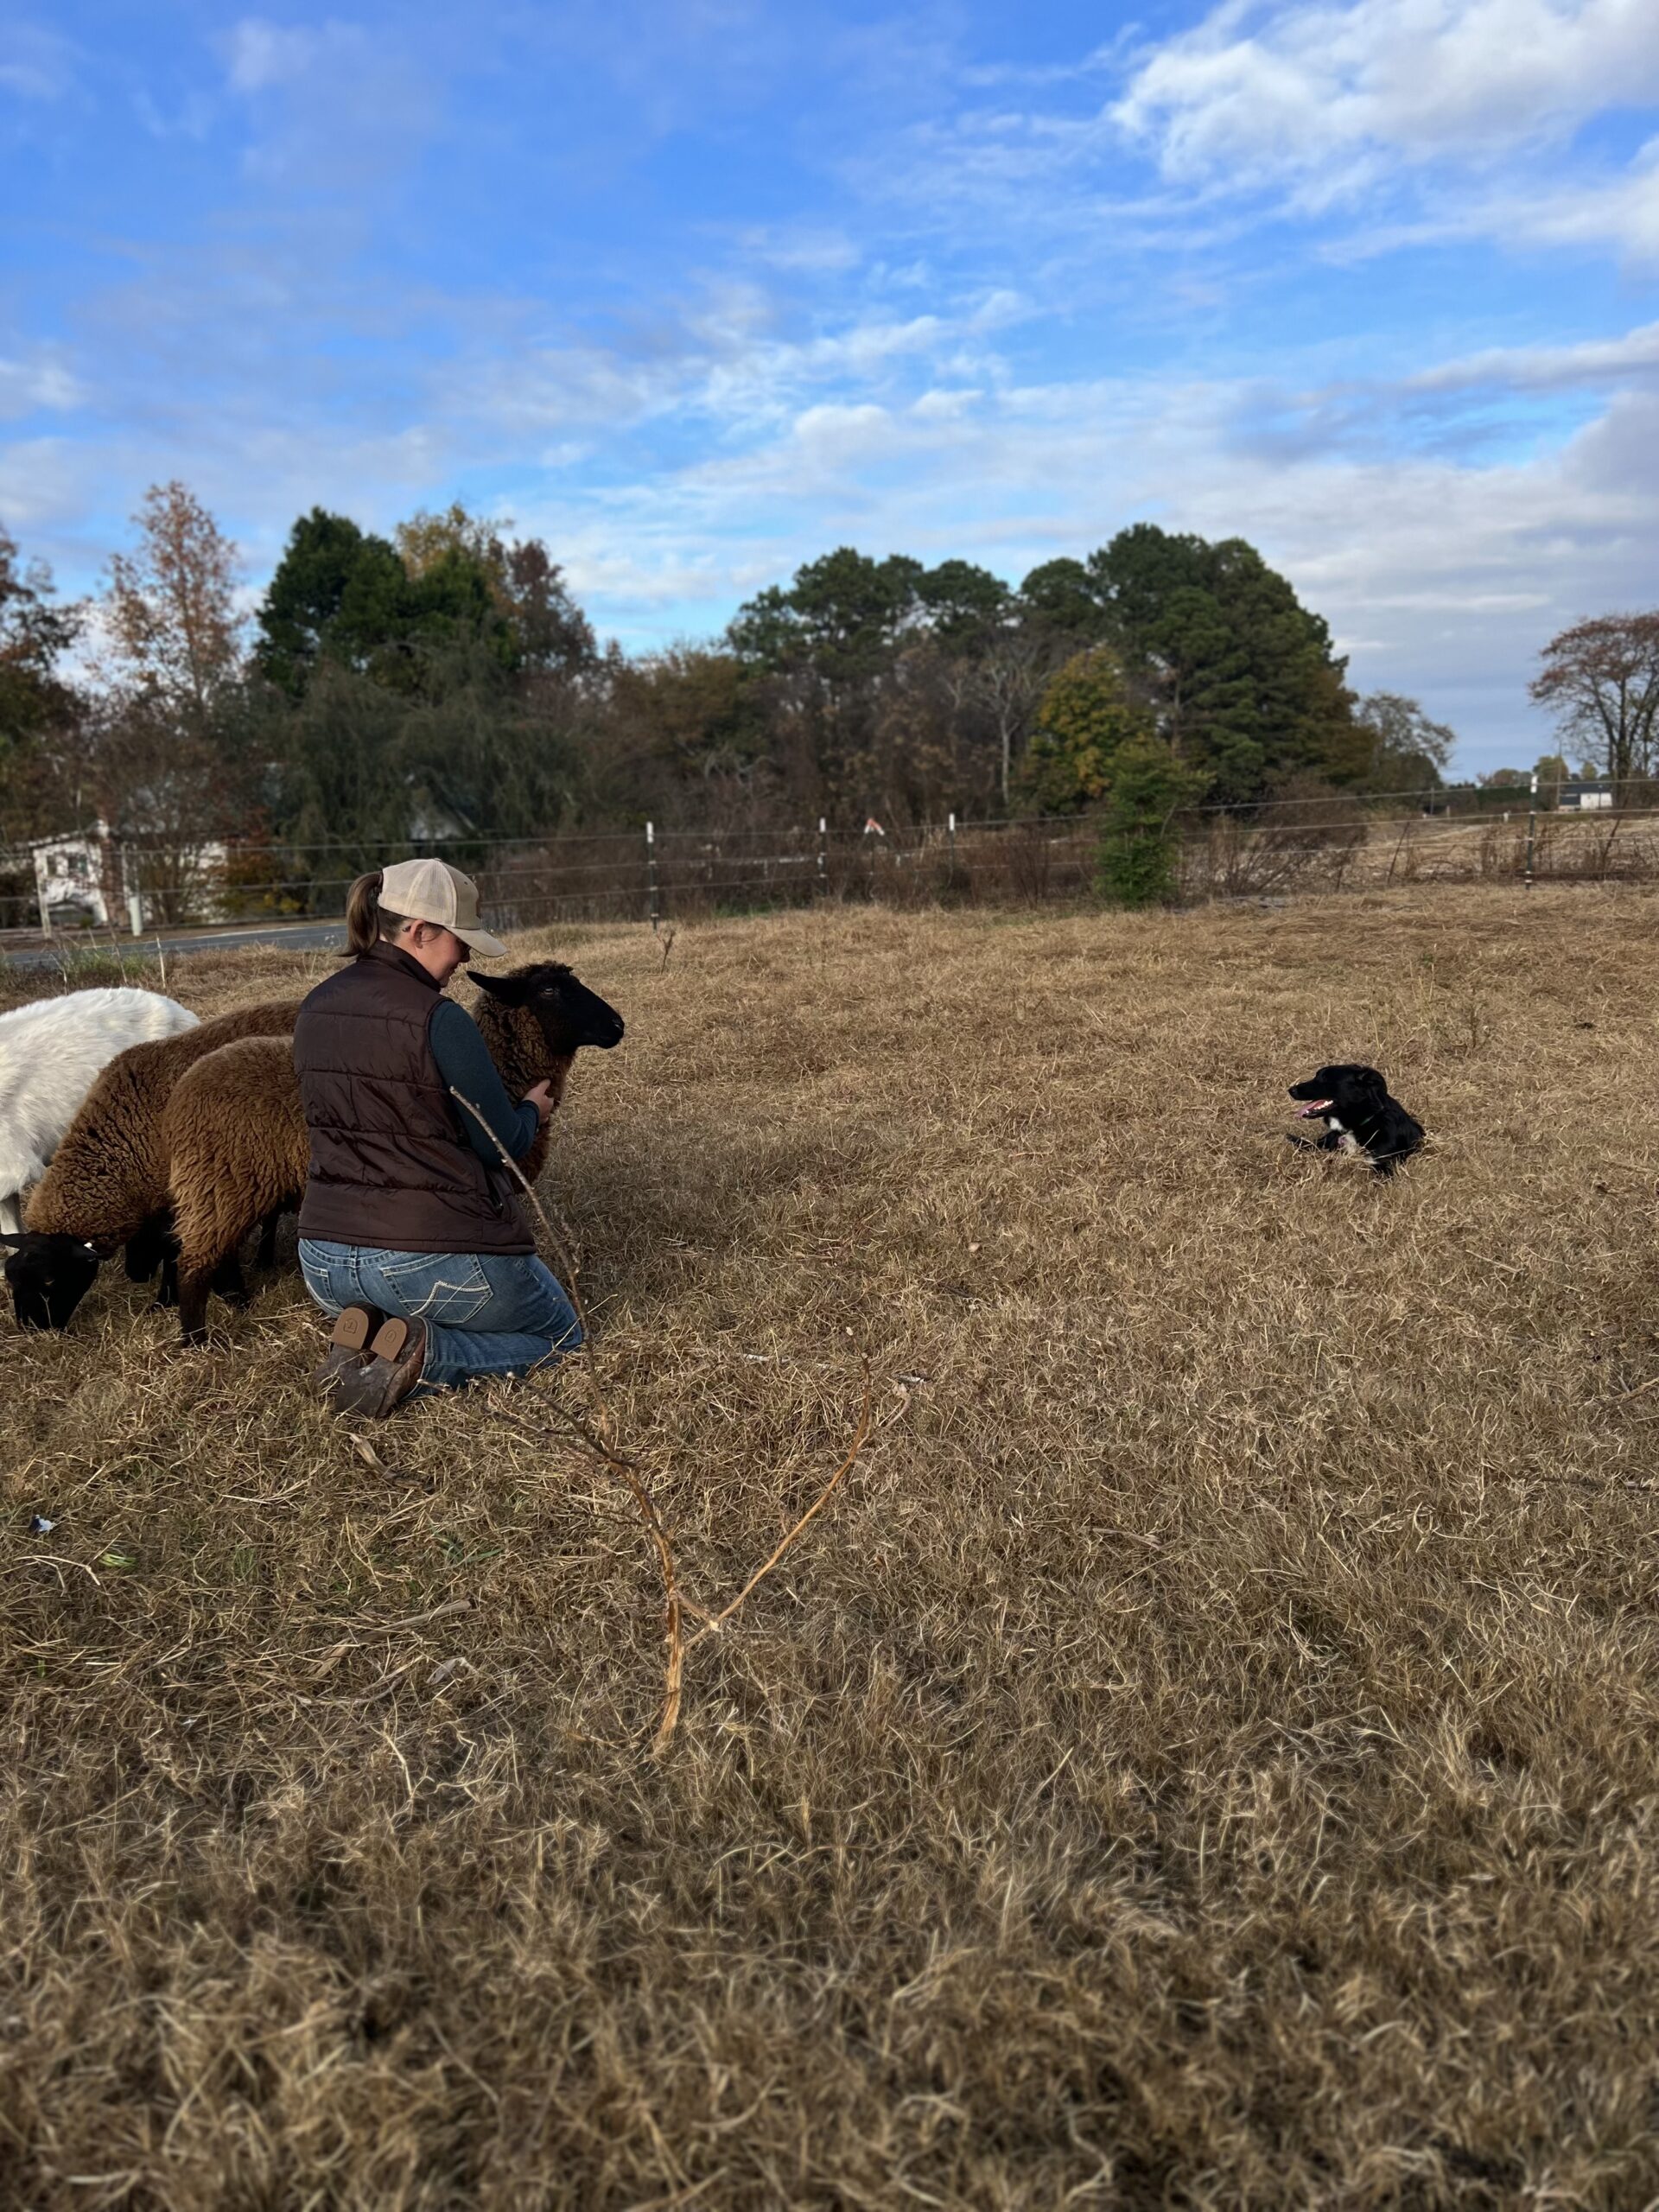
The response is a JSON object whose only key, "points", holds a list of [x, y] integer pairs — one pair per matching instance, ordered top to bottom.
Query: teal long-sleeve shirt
{"points": [[464, 1063]]}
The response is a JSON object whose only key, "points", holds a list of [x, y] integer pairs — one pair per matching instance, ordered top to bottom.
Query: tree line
{"points": [[443, 685]]}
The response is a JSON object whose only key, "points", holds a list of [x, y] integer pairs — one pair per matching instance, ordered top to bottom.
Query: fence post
{"points": [[951, 825], [1532, 827], [824, 852], [651, 871], [130, 891]]}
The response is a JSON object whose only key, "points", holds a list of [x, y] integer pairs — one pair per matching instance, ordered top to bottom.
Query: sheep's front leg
{"points": [[11, 1215], [147, 1248], [265, 1257], [196, 1285]]}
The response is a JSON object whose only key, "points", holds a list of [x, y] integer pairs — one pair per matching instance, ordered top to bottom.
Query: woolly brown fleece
{"points": [[236, 1138], [110, 1176]]}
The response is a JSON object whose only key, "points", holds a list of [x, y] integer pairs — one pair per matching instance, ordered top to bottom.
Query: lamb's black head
{"points": [[570, 1014], [1343, 1089], [47, 1277]]}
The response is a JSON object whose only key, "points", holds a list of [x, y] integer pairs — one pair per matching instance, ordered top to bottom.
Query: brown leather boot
{"points": [[348, 1346], [380, 1383]]}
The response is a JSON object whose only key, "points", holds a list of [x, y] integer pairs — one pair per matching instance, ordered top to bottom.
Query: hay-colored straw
{"points": [[605, 1450]]}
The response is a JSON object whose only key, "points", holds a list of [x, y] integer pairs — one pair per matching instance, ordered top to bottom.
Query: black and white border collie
{"points": [[1359, 1116]]}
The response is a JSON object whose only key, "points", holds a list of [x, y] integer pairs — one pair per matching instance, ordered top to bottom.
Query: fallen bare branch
{"points": [[811, 1514]]}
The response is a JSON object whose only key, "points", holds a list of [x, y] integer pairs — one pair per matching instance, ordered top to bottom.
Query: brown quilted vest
{"points": [[391, 1167]]}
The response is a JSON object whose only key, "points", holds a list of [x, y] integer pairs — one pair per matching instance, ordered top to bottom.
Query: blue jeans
{"points": [[485, 1314]]}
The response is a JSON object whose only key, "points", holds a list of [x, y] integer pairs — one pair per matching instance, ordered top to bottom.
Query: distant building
{"points": [[1586, 792], [71, 874], [85, 878]]}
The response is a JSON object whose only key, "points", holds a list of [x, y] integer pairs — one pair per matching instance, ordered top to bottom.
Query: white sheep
{"points": [[51, 1053]]}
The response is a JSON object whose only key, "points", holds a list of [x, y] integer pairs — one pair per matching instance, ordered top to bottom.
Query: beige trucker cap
{"points": [[432, 891]]}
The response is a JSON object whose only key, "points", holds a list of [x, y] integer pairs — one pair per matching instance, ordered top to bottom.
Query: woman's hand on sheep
{"points": [[541, 1097]]}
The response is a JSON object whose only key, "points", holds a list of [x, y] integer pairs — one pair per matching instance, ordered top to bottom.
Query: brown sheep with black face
{"points": [[236, 1139], [106, 1185]]}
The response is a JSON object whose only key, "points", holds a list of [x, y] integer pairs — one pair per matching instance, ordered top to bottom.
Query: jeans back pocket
{"points": [[448, 1288]]}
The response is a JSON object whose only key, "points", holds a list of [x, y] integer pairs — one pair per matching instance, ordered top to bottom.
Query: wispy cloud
{"points": [[259, 54], [36, 64], [336, 103], [1592, 362], [41, 383]]}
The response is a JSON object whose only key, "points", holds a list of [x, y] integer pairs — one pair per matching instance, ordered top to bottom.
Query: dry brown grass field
{"points": [[1205, 1752]]}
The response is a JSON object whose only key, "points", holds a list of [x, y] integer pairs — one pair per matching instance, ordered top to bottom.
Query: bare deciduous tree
{"points": [[1007, 679], [1601, 680]]}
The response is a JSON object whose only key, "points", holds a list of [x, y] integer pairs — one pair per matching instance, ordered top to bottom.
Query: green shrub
{"points": [[1138, 857]]}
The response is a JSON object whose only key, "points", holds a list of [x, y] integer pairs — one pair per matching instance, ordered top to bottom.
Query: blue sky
{"points": [[697, 289]]}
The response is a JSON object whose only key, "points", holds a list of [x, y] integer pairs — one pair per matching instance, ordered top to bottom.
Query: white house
{"points": [[1586, 792], [70, 874], [88, 878]]}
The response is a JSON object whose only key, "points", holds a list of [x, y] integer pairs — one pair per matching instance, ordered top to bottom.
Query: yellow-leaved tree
{"points": [[1086, 717]]}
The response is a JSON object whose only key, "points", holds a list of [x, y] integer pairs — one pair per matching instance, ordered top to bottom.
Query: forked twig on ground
{"points": [[604, 1449], [715, 1622]]}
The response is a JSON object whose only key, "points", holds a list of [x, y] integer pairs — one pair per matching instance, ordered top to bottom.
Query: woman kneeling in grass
{"points": [[411, 1235]]}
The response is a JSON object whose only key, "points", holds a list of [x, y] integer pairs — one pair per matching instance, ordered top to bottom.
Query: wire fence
{"points": [[1328, 843]]}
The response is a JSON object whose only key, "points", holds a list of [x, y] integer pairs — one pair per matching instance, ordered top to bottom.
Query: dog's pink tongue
{"points": [[1318, 1107]]}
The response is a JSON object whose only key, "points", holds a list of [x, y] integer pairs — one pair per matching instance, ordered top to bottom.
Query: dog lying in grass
{"points": [[1359, 1116]]}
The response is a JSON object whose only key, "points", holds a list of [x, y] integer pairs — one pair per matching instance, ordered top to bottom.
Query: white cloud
{"points": [[259, 54], [34, 64], [1313, 92], [334, 106], [1623, 212], [722, 362], [1548, 368], [42, 383], [45, 489]]}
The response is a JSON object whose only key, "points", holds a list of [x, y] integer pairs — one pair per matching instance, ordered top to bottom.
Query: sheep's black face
{"points": [[569, 1014], [47, 1277]]}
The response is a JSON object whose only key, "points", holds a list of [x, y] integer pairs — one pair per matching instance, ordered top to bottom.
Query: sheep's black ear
{"points": [[510, 990]]}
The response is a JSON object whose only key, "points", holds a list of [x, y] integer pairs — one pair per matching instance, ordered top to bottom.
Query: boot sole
{"points": [[354, 1327], [389, 1338], [374, 1386]]}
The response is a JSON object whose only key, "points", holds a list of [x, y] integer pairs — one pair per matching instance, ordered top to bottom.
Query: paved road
{"points": [[298, 937]]}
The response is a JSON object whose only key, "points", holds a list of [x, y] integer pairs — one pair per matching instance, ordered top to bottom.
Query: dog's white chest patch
{"points": [[1350, 1143]]}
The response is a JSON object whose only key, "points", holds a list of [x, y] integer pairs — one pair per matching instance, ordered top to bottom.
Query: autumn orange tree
{"points": [[171, 627]]}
